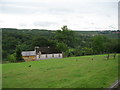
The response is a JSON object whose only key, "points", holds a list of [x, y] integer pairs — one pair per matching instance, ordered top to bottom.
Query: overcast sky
{"points": [[53, 14]]}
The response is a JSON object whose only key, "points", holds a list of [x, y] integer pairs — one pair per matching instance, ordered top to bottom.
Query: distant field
{"points": [[72, 72]]}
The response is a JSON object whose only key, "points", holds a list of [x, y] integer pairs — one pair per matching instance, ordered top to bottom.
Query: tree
{"points": [[66, 36], [40, 41], [98, 44], [111, 46], [61, 47], [87, 51], [18, 53], [12, 58]]}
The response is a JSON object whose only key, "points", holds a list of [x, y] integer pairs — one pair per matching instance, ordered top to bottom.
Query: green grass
{"points": [[72, 72]]}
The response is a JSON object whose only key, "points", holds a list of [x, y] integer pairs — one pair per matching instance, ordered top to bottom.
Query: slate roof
{"points": [[46, 50], [28, 53]]}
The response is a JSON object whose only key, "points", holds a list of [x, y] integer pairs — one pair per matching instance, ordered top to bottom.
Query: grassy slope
{"points": [[73, 72]]}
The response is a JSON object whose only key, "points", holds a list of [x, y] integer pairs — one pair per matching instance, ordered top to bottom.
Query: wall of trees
{"points": [[72, 43]]}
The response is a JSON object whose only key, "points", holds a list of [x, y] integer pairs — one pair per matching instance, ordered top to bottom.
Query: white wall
{"points": [[43, 56]]}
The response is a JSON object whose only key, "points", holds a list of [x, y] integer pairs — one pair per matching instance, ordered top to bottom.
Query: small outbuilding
{"points": [[29, 55]]}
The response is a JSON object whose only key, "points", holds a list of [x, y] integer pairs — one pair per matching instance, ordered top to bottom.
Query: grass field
{"points": [[72, 72]]}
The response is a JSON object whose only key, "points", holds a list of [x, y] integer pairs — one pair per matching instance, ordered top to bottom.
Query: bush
{"points": [[86, 51], [70, 52], [11, 58]]}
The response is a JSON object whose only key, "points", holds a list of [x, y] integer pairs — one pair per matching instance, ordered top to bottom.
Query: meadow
{"points": [[71, 72]]}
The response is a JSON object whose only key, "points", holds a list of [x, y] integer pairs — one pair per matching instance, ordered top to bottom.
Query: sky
{"points": [[53, 14]]}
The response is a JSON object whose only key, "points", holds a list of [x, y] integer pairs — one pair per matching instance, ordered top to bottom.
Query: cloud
{"points": [[53, 14], [39, 23], [22, 25], [113, 27]]}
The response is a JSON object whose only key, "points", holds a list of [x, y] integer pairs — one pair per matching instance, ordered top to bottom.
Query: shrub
{"points": [[86, 51], [11, 58]]}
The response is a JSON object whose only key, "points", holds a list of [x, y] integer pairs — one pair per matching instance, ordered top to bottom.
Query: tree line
{"points": [[72, 43]]}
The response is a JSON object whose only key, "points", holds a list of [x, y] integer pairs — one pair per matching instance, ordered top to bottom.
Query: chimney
{"points": [[37, 49]]}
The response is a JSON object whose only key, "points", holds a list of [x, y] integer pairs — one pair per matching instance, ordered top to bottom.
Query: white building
{"points": [[41, 53]]}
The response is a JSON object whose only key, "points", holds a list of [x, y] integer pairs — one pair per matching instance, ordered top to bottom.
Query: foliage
{"points": [[66, 36], [40, 41], [77, 43], [98, 43], [103, 44], [61, 47], [79, 51], [87, 51], [69, 52], [18, 54], [12, 58]]}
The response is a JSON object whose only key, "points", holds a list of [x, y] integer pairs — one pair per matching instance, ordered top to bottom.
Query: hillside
{"points": [[73, 41], [73, 72]]}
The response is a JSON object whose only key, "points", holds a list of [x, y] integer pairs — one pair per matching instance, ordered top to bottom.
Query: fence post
{"points": [[114, 55], [108, 57]]}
